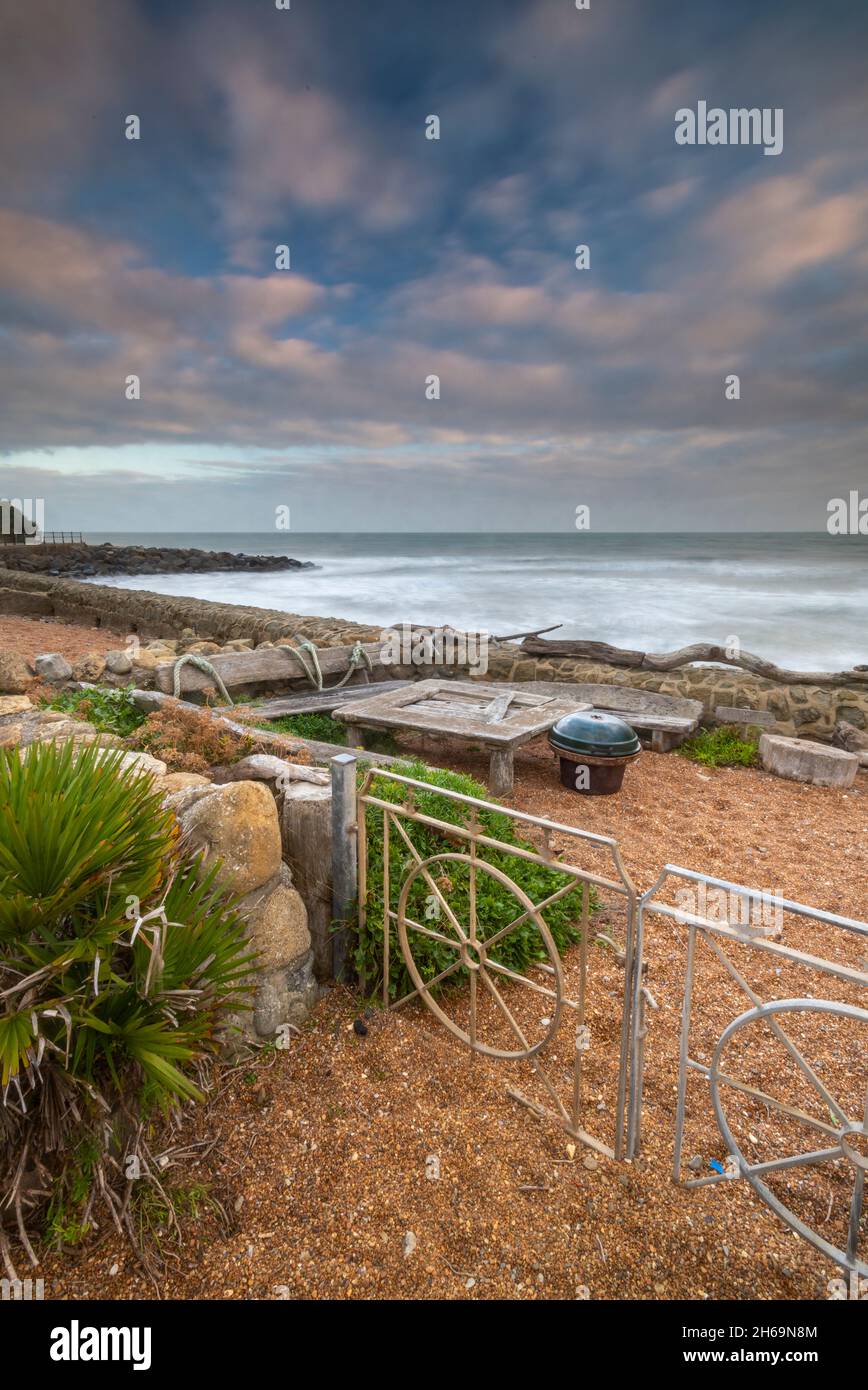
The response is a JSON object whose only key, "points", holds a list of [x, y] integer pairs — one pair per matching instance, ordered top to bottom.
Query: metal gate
{"points": [[445, 888], [431, 898], [792, 1097]]}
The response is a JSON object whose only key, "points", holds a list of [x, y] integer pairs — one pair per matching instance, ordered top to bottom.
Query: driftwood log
{"points": [[699, 651], [269, 665]]}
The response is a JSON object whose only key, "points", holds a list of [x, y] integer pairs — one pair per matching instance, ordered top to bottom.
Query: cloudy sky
{"points": [[413, 257]]}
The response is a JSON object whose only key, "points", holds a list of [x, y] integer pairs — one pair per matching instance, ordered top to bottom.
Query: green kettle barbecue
{"points": [[594, 749]]}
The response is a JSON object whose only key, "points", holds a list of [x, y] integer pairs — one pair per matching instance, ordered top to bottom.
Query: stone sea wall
{"points": [[143, 612], [805, 711]]}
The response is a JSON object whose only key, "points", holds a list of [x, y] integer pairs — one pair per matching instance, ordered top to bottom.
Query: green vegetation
{"points": [[110, 711], [323, 729], [723, 747], [496, 905], [99, 1025]]}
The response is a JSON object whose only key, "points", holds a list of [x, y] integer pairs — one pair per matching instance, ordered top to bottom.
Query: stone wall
{"points": [[165, 615], [806, 711]]}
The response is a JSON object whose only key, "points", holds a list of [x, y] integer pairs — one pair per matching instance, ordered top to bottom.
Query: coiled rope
{"points": [[201, 664], [312, 668]]}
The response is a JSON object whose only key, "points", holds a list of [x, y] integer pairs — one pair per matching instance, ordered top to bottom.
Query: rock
{"points": [[146, 661], [118, 663], [51, 666], [89, 668], [16, 676], [13, 704], [55, 727], [11, 735], [848, 736], [803, 761], [142, 764], [181, 781], [181, 800], [237, 824], [277, 926], [282, 996]]}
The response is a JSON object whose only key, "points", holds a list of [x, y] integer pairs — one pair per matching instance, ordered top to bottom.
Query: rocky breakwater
{"points": [[97, 561]]}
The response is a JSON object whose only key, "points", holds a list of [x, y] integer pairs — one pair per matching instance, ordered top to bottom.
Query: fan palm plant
{"points": [[118, 955]]}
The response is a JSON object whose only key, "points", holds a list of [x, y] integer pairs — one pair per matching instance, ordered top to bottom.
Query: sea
{"points": [[798, 599]]}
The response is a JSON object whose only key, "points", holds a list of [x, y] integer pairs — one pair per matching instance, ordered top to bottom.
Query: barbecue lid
{"points": [[594, 733]]}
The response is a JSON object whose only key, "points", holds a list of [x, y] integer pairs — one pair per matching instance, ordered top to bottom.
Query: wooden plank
{"points": [[272, 665], [319, 701], [498, 707], [738, 714], [668, 723]]}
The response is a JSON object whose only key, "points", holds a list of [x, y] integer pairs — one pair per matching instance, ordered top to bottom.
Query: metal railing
{"points": [[473, 951], [843, 1129]]}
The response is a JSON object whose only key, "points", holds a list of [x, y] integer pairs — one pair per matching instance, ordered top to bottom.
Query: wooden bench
{"points": [[669, 719]]}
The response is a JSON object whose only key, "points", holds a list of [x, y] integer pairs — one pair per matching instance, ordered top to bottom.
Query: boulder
{"points": [[146, 661], [118, 663], [51, 666], [89, 667], [16, 676], [13, 704], [848, 736], [804, 761], [142, 764], [182, 781], [237, 824], [277, 924], [282, 996]]}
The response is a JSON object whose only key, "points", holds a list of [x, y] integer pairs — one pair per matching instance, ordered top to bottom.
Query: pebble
{"points": [[590, 1162]]}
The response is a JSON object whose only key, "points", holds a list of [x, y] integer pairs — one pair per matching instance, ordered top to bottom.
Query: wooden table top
{"points": [[491, 713]]}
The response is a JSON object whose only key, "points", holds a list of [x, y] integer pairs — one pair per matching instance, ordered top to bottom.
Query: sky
{"points": [[412, 258]]}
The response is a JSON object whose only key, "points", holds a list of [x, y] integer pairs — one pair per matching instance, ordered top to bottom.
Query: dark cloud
{"points": [[414, 257]]}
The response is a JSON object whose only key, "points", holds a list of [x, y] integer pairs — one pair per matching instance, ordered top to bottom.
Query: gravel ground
{"points": [[32, 636], [320, 1157]]}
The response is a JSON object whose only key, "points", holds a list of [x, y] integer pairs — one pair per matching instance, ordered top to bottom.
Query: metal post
{"points": [[345, 881]]}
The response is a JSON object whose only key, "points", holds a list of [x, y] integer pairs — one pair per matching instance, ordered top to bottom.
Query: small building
{"points": [[14, 525]]}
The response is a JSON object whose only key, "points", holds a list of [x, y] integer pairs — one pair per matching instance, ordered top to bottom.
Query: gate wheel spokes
{"points": [[473, 953], [843, 1140]]}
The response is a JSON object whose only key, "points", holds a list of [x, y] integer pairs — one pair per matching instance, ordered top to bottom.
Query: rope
{"points": [[201, 664], [311, 669]]}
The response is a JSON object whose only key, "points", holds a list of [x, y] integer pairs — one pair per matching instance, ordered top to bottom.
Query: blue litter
{"points": [[717, 1166]]}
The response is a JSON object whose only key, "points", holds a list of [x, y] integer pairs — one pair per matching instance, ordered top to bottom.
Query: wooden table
{"points": [[498, 716]]}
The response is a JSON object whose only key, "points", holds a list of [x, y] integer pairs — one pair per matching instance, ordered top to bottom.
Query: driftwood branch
{"points": [[537, 632], [699, 651]]}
